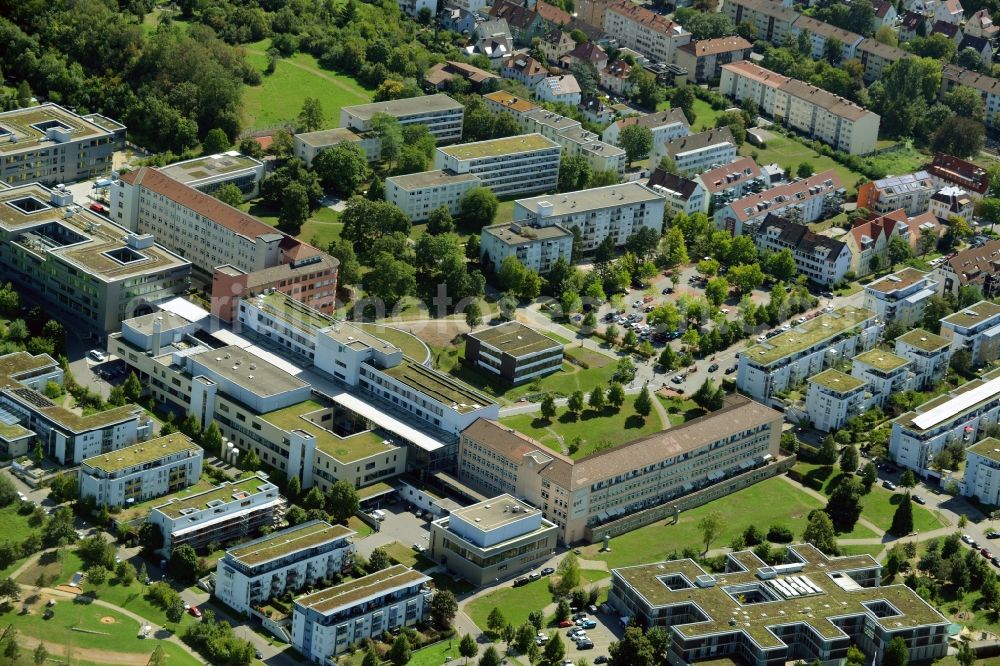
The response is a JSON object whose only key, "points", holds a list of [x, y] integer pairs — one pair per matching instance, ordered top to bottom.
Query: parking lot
{"points": [[400, 525], [605, 630]]}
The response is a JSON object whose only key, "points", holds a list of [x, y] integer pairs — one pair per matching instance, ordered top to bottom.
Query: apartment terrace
{"points": [[28, 126], [499, 147], [805, 336], [923, 340], [881, 360], [835, 380], [437, 386], [345, 449], [143, 452], [227, 493], [142, 509], [285, 542], [347, 594]]}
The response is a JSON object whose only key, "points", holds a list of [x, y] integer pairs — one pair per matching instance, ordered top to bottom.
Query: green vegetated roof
{"points": [[499, 147], [805, 336], [924, 340], [881, 360], [837, 380], [442, 388], [345, 449], [142, 452], [226, 493], [284, 542], [345, 594]]}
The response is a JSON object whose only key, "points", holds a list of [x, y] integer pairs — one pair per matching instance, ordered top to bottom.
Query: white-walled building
{"points": [[820, 33], [651, 34], [563, 88], [442, 115], [665, 126], [576, 141], [307, 145], [696, 153], [511, 165], [210, 172], [731, 181], [912, 192], [418, 194], [681, 195], [802, 201], [952, 202], [615, 210], [537, 247], [822, 259], [901, 296], [975, 329], [928, 354], [789, 358], [885, 372], [833, 398], [142, 471], [982, 471], [232, 511], [283, 561], [331, 622]]}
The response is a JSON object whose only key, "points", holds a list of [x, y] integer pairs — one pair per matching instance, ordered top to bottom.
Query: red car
{"points": [[98, 208], [987, 554], [194, 611], [566, 623]]}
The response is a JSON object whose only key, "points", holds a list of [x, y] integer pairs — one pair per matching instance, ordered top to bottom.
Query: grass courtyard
{"points": [[279, 98], [597, 430], [515, 603]]}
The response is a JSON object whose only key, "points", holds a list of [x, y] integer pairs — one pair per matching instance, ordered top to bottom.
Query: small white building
{"points": [[442, 115], [309, 144], [418, 194], [681, 195], [950, 202], [536, 247], [901, 296], [975, 329], [928, 354], [885, 373], [834, 397], [982, 471], [140, 472], [286, 560], [331, 622]]}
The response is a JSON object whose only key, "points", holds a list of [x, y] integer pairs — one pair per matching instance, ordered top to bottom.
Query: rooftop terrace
{"points": [[499, 147], [209, 166], [898, 280], [807, 335], [515, 339], [924, 340], [835, 380], [438, 386], [345, 449], [143, 452], [227, 493], [287, 541], [347, 594]]}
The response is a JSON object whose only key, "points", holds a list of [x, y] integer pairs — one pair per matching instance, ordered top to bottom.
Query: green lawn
{"points": [[279, 98], [704, 114], [789, 153], [901, 161], [505, 212], [321, 229], [407, 342], [594, 428], [770, 502], [13, 526], [872, 550], [403, 554], [59, 572], [133, 598], [515, 603], [436, 654]]}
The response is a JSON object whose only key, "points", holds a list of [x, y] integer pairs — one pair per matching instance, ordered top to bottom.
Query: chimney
{"points": [[157, 327]]}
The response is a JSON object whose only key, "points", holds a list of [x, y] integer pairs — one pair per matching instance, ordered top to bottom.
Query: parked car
{"points": [[97, 355], [713, 367], [731, 369], [889, 485], [919, 500], [992, 533], [987, 554], [548, 571], [534, 575], [518, 582], [194, 611], [565, 623], [588, 624], [585, 645], [602, 659]]}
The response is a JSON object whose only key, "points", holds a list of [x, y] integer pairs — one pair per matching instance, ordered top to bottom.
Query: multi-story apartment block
{"points": [[772, 21], [820, 33], [651, 34], [876, 57], [704, 59], [988, 87], [502, 101], [442, 115], [822, 115], [665, 126], [576, 141], [309, 144], [50, 145], [697, 153], [512, 165], [949, 170], [210, 172], [732, 181], [911, 192], [417, 194], [681, 195], [802, 201], [617, 211], [870, 239], [537, 247], [822, 259], [975, 266], [93, 271], [901, 296], [975, 329], [513, 352], [928, 354], [783, 361], [885, 373], [833, 398], [960, 416], [65, 435], [142, 471], [982, 471], [631, 484], [232, 511], [493, 539], [283, 561], [811, 608], [331, 622]]}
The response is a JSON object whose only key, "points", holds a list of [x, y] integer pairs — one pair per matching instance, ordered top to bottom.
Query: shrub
{"points": [[779, 534]]}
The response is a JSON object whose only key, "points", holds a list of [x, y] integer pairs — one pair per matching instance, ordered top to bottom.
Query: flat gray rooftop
{"points": [[402, 108], [328, 137], [209, 166], [425, 179], [611, 196], [516, 233], [248, 371], [495, 512]]}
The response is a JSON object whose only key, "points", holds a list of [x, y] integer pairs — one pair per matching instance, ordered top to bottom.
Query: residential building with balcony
{"points": [[772, 21], [820, 33], [651, 34], [876, 57], [704, 59], [987, 86], [502, 101], [442, 115], [665, 126], [576, 141], [50, 145], [697, 153], [512, 165], [210, 172], [732, 181], [912, 192], [418, 194], [681, 195], [801, 201], [617, 211], [537, 247], [822, 259], [975, 266], [94, 272], [901, 296], [975, 329], [513, 352], [928, 354], [789, 358], [885, 373], [833, 398], [961, 416], [142, 471], [982, 471], [632, 483], [232, 511], [492, 540], [283, 561], [812, 607], [330, 622]]}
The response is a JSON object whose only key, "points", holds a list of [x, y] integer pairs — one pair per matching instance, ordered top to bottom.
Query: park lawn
{"points": [[279, 98], [704, 114], [790, 153], [906, 160], [505, 212], [322, 228], [408, 343], [592, 427], [770, 502], [13, 526], [874, 550], [403, 554], [56, 571], [132, 597], [514, 602], [72, 622], [437, 654]]}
